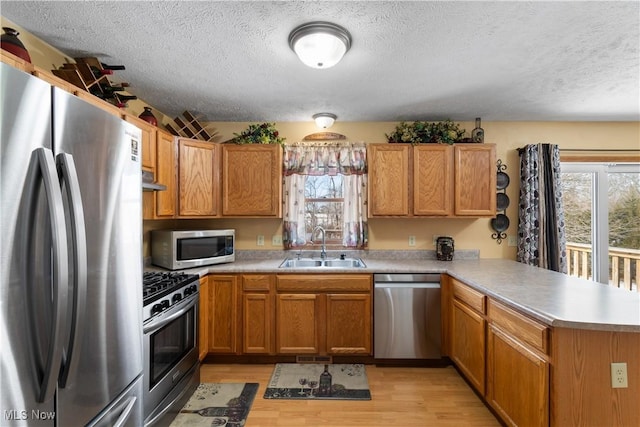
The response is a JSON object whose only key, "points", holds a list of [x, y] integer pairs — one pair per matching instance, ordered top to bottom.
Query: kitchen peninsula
{"points": [[546, 340]]}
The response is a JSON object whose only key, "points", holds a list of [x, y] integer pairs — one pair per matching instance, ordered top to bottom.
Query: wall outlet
{"points": [[260, 240], [276, 240], [412, 240], [512, 240], [619, 375]]}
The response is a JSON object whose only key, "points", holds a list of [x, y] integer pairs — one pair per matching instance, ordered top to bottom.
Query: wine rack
{"points": [[91, 75], [187, 126]]}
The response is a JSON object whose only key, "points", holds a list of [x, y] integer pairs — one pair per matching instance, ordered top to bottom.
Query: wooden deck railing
{"points": [[624, 265]]}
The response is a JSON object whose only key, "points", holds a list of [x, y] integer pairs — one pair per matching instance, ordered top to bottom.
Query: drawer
{"points": [[258, 282], [324, 283], [471, 297], [519, 326]]}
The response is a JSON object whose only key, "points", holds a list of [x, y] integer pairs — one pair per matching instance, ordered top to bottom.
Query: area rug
{"points": [[315, 381], [217, 404]]}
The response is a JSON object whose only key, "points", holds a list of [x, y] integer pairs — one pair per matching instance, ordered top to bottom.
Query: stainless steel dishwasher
{"points": [[407, 316]]}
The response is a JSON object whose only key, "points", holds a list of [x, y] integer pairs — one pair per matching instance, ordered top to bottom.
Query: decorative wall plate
{"points": [[324, 136], [502, 180], [502, 201], [500, 223]]}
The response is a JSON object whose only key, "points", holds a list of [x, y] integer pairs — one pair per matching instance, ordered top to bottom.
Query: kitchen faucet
{"points": [[323, 252]]}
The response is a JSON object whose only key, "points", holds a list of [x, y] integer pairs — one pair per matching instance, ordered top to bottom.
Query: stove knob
{"points": [[194, 289], [187, 291], [176, 298], [165, 304], [157, 308]]}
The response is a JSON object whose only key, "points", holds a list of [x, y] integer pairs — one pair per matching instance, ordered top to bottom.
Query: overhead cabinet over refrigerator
{"points": [[71, 276]]}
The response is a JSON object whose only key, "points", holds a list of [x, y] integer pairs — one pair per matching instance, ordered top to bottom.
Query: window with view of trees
{"points": [[323, 206], [602, 221]]}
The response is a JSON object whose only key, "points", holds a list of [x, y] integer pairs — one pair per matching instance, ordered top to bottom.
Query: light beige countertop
{"points": [[553, 298]]}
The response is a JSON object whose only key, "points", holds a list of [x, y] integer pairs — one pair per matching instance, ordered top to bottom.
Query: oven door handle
{"points": [[158, 324]]}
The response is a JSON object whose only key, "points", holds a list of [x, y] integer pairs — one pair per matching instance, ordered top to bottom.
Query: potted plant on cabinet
{"points": [[421, 132], [265, 133]]}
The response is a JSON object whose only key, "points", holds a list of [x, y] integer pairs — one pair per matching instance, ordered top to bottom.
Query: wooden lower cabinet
{"points": [[258, 312], [269, 314], [324, 314], [223, 317], [203, 318], [298, 323], [348, 323], [468, 343], [517, 380]]}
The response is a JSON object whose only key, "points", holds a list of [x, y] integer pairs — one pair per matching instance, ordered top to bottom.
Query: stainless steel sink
{"points": [[322, 263]]}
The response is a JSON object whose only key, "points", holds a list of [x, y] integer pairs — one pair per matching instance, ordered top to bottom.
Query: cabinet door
{"points": [[148, 142], [166, 175], [388, 179], [252, 180], [433, 180], [475, 180], [198, 183], [258, 311], [203, 316], [223, 318], [298, 320], [348, 323], [256, 333], [468, 343], [517, 381]]}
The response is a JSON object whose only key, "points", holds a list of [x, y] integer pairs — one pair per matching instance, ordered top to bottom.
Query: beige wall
{"points": [[394, 233]]}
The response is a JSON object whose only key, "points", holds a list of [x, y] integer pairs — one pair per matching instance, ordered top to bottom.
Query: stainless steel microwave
{"points": [[179, 249]]}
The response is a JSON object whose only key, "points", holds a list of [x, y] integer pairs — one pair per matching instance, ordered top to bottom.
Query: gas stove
{"points": [[162, 290]]}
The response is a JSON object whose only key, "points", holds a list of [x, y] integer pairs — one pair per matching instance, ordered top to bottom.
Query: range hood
{"points": [[149, 184]]}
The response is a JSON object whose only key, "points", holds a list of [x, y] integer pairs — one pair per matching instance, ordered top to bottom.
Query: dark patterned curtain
{"points": [[541, 236]]}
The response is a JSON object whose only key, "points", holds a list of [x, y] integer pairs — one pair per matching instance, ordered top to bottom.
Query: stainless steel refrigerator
{"points": [[71, 259]]}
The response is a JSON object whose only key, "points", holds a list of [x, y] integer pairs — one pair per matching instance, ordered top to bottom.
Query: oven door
{"points": [[170, 351]]}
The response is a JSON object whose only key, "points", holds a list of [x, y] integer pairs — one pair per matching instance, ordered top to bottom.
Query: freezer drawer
{"points": [[407, 321]]}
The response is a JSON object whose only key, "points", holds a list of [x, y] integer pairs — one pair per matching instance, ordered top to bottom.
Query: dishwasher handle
{"points": [[408, 285]]}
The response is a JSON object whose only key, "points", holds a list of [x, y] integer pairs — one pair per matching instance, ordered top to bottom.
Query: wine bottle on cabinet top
{"points": [[477, 134]]}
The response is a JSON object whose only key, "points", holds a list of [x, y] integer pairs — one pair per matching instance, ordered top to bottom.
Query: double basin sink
{"points": [[322, 263]]}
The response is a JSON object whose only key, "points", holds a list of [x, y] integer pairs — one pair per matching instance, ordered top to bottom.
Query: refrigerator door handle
{"points": [[42, 167], [69, 176], [126, 413]]}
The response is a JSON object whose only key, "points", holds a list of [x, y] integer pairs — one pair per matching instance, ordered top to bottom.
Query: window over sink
{"points": [[325, 185]]}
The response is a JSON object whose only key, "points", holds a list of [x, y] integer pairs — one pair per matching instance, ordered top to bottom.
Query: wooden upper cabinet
{"points": [[148, 140], [166, 160], [389, 174], [198, 178], [252, 180], [432, 180], [475, 180]]}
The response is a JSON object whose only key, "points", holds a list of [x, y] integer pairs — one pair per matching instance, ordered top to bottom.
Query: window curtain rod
{"points": [[587, 150]]}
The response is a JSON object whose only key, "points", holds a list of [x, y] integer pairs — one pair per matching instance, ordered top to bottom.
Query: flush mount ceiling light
{"points": [[320, 44], [324, 120]]}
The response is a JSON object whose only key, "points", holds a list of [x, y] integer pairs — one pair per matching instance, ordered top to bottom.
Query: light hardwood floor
{"points": [[407, 397]]}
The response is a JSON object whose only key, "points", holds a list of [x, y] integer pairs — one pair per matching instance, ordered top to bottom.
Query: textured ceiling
{"points": [[230, 61]]}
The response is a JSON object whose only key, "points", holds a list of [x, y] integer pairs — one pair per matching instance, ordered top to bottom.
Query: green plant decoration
{"points": [[418, 132], [264, 133]]}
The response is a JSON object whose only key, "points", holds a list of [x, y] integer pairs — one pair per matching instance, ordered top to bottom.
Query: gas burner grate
{"points": [[157, 284]]}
